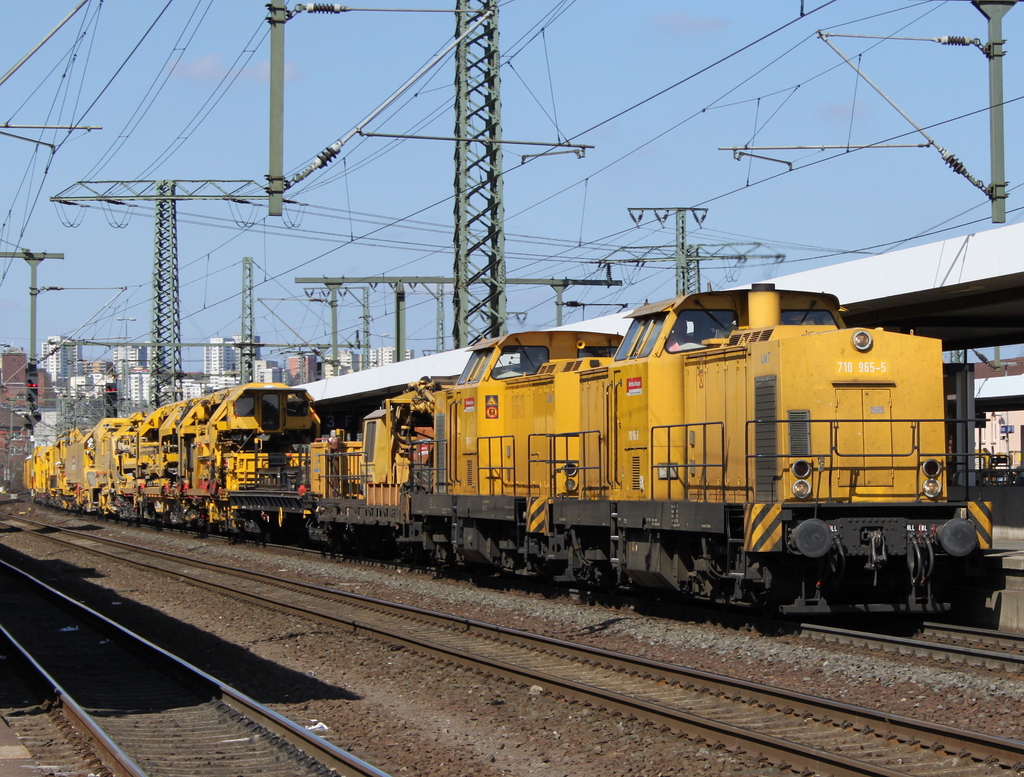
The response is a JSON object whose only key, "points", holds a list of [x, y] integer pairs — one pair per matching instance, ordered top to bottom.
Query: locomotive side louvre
{"points": [[595, 428], [712, 467]]}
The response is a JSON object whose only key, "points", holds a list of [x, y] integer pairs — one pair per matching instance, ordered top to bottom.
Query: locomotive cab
{"points": [[523, 432], [253, 459]]}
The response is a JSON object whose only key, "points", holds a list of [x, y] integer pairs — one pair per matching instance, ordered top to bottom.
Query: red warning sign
{"points": [[469, 404], [491, 405]]}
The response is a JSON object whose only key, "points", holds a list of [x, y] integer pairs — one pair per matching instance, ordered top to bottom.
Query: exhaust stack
{"points": [[764, 305]]}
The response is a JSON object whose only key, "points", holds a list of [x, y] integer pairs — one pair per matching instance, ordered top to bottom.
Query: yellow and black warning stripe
{"points": [[980, 514], [538, 515], [763, 530]]}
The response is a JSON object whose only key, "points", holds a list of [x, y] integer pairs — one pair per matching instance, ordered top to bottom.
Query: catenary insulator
{"points": [[325, 8], [955, 40], [955, 164]]}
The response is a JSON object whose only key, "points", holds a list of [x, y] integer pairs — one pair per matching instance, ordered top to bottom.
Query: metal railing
{"points": [[571, 455], [285, 471], [840, 471], [343, 474], [688, 478], [495, 479]]}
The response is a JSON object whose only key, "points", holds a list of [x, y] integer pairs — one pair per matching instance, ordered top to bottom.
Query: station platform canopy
{"points": [[966, 291], [394, 378], [389, 379], [991, 394]]}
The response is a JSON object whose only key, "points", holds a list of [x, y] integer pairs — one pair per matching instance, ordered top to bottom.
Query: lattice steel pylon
{"points": [[479, 288], [247, 355], [165, 360], [165, 370]]}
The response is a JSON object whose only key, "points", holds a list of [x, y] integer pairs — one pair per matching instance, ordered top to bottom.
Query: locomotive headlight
{"points": [[862, 340], [932, 468], [801, 469], [570, 484], [931, 488], [801, 489]]}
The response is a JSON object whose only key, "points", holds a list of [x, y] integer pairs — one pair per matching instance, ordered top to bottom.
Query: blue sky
{"points": [[181, 92]]}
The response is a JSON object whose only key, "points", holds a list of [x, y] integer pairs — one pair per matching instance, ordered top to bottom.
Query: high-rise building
{"points": [[386, 355], [221, 356], [128, 357], [59, 358], [301, 369], [267, 372], [12, 373], [217, 382], [138, 386], [193, 389]]}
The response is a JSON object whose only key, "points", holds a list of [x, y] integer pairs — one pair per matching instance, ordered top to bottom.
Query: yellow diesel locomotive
{"points": [[741, 447]]}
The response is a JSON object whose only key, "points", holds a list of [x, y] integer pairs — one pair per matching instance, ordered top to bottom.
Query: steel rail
{"points": [[992, 637], [928, 644], [968, 655], [798, 706], [314, 747], [112, 756]]}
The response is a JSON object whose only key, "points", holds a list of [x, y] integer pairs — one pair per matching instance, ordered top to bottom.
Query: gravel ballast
{"points": [[413, 716]]}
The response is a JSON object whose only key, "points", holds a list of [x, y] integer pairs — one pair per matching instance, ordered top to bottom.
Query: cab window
{"points": [[808, 317], [693, 327], [640, 338], [629, 340], [595, 352], [516, 360], [476, 362], [245, 406], [297, 406], [270, 411], [369, 440]]}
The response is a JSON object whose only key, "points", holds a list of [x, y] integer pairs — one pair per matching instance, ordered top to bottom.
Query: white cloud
{"points": [[209, 67], [840, 112]]}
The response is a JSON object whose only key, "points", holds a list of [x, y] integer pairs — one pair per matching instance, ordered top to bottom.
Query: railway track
{"points": [[943, 642], [950, 643], [962, 645], [143, 712], [786, 729]]}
